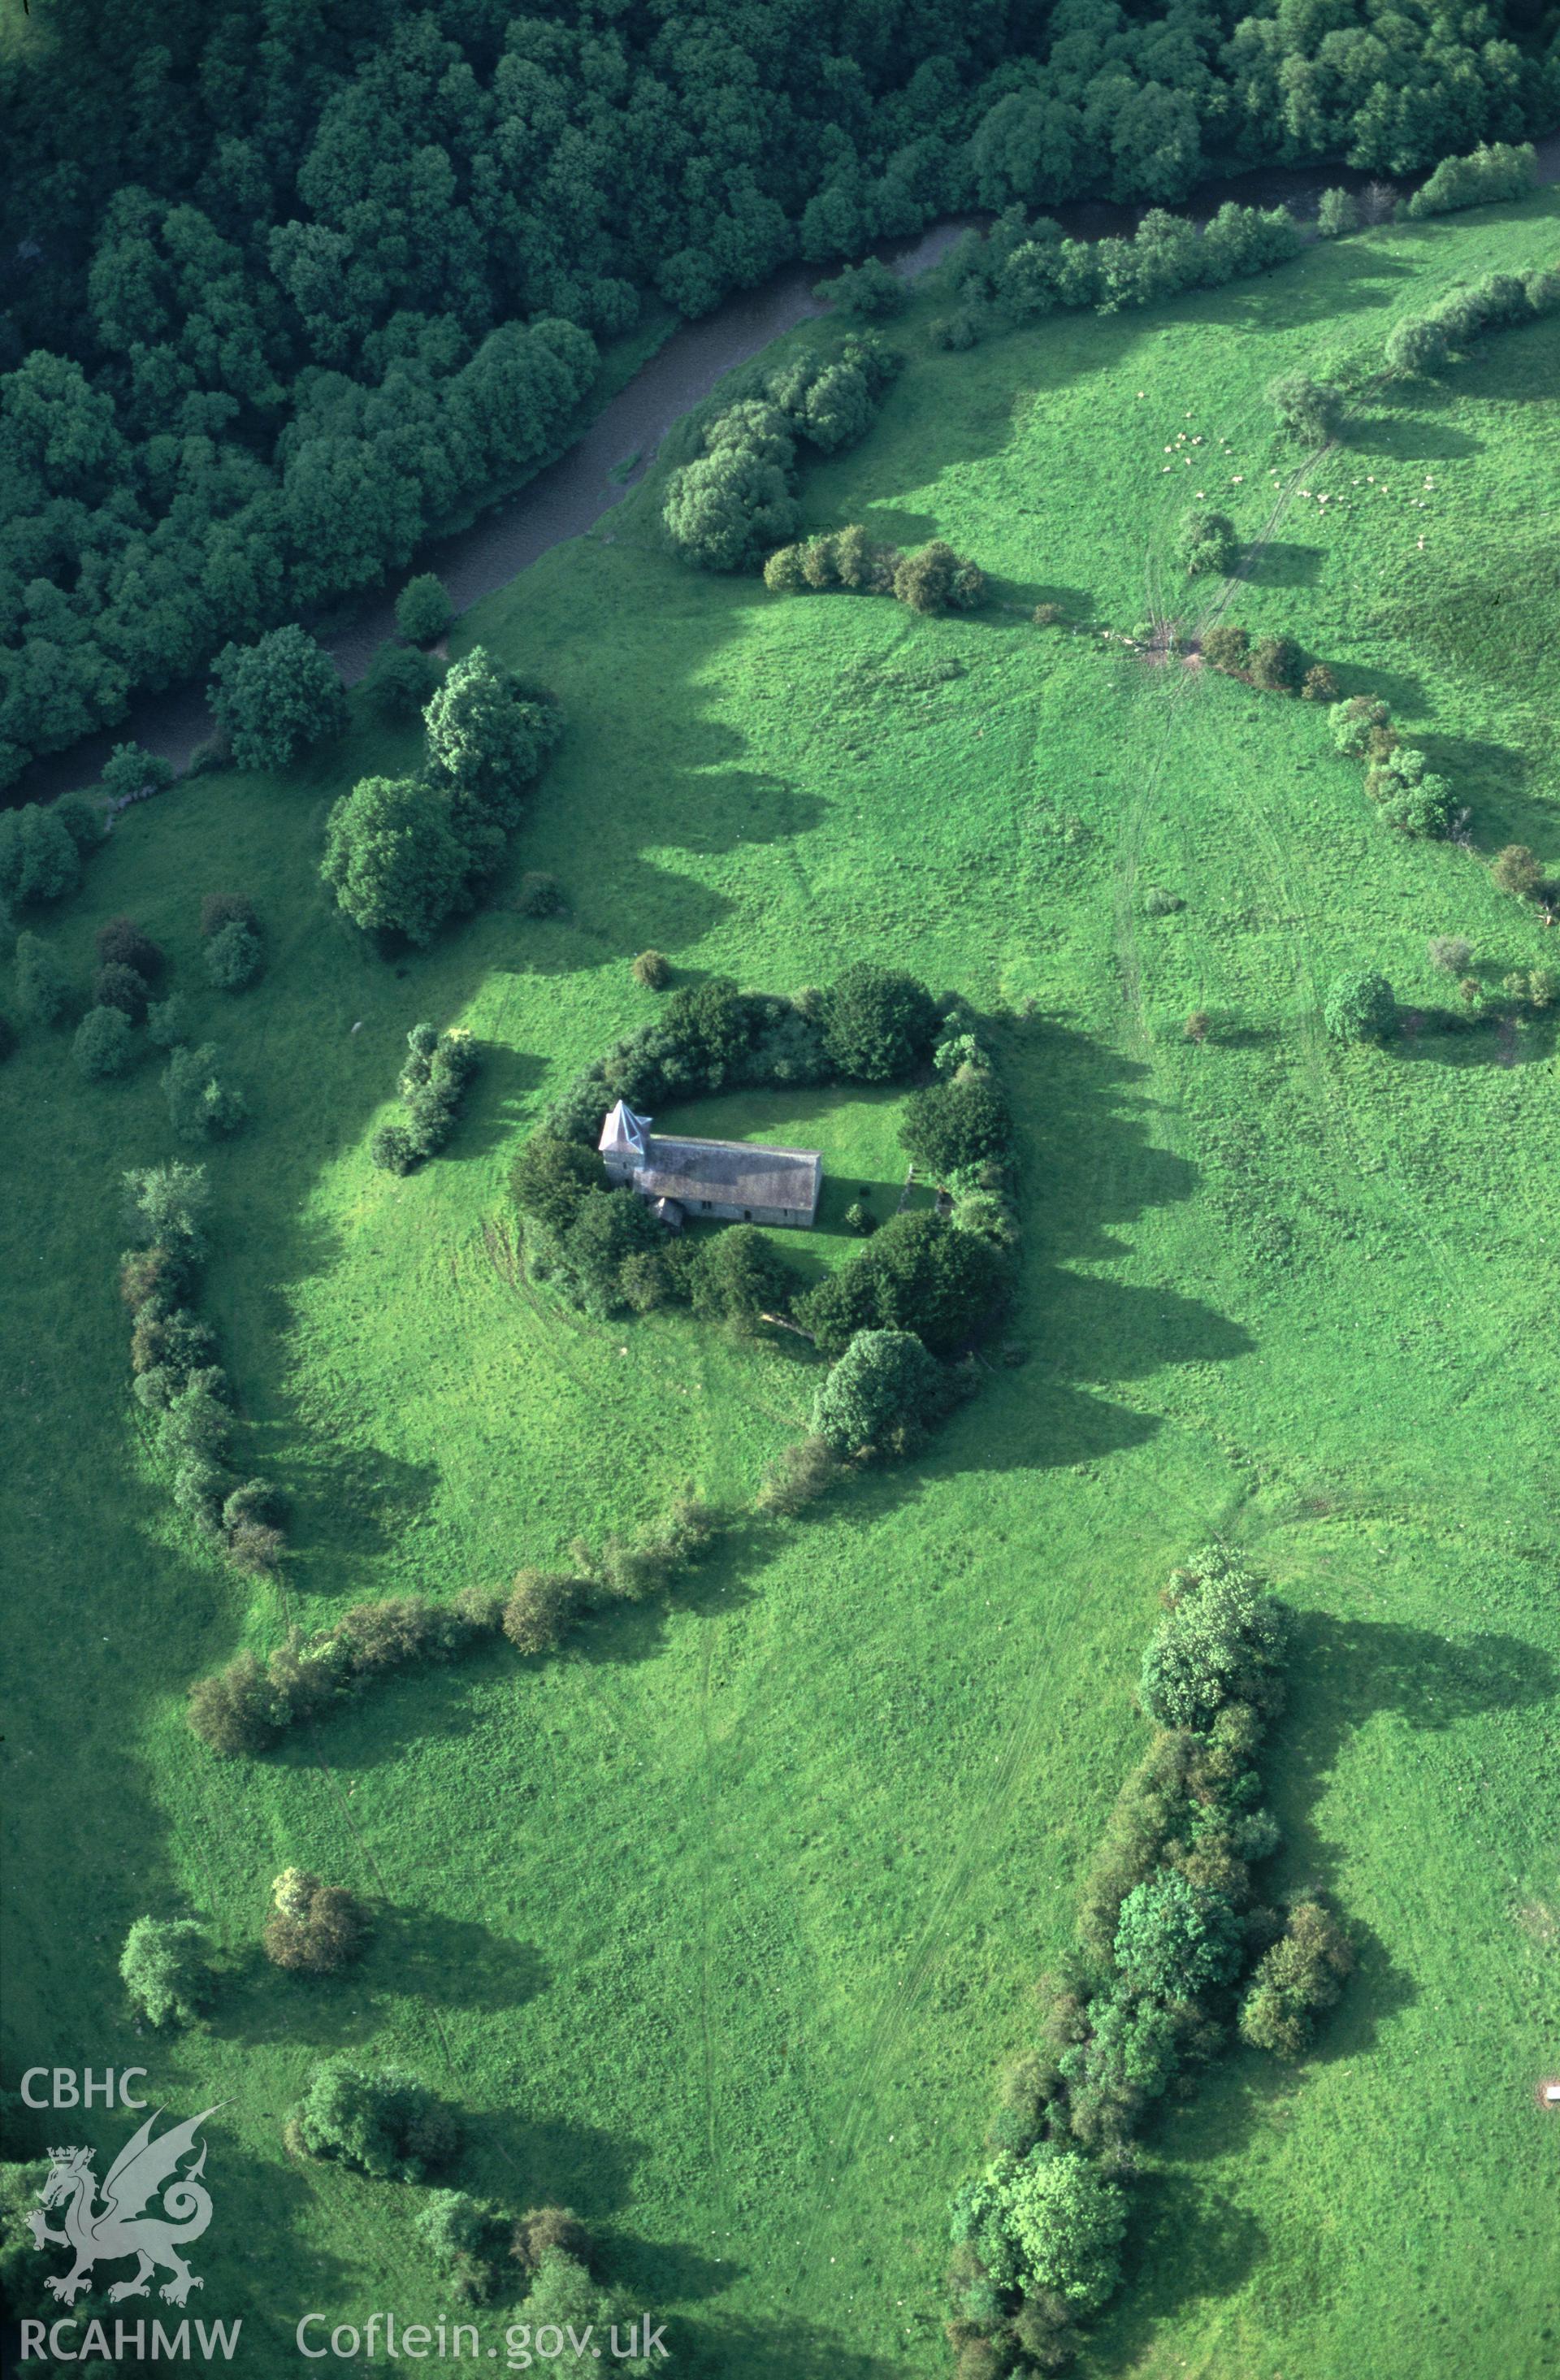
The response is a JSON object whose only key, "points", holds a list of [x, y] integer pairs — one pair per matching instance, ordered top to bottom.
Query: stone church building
{"points": [[727, 1181]]}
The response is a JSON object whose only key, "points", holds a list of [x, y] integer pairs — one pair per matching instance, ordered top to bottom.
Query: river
{"points": [[568, 496]]}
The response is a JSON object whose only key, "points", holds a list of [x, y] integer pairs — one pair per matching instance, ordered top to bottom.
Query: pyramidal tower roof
{"points": [[623, 1134]]}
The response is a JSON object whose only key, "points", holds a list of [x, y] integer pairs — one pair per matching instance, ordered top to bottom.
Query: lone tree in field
{"points": [[1308, 411], [724, 510], [1208, 542], [934, 578], [423, 610], [276, 698], [487, 736], [392, 857], [1516, 869], [124, 943], [1360, 1006], [104, 1044], [199, 1101], [314, 1928], [167, 1969], [383, 2121]]}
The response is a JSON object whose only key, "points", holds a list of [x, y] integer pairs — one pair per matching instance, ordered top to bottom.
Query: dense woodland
{"points": [[287, 281]]}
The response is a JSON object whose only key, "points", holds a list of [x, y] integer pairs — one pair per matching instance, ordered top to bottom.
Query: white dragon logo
{"points": [[121, 2227]]}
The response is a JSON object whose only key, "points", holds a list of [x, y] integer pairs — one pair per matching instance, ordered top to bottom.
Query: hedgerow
{"points": [[1495, 171], [1023, 270], [1424, 343], [934, 578], [1412, 797], [433, 1082], [915, 1295], [177, 1381], [248, 1706], [1172, 1944]]}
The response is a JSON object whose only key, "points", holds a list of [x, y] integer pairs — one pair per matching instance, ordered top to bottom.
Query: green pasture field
{"points": [[718, 1925]]}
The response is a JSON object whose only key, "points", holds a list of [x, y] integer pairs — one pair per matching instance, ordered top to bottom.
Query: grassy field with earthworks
{"points": [[717, 1926]]}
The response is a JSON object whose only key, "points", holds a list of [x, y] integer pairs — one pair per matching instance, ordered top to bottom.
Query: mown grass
{"points": [[718, 1925]]}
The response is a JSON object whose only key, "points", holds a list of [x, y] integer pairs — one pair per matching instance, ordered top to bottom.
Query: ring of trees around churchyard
{"points": [[896, 1327], [603, 1729]]}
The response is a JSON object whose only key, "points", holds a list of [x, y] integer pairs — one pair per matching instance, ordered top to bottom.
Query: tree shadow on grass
{"points": [[1358, 280], [1411, 434], [1280, 563], [1077, 605], [1403, 694], [1493, 779], [1443, 1039], [501, 1094], [1088, 1166], [348, 1505], [1344, 1675], [437, 1702], [373, 1725], [449, 1962], [328, 2013], [519, 2163], [265, 2203], [1188, 2243], [782, 2350]]}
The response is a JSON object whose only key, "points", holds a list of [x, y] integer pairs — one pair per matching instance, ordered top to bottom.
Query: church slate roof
{"points": [[730, 1173]]}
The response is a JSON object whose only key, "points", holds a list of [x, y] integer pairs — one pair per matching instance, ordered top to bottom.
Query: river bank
{"points": [[570, 495]]}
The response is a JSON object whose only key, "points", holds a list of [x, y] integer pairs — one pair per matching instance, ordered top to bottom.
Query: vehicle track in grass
{"points": [[1180, 690], [1363, 1183], [1016, 1762]]}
